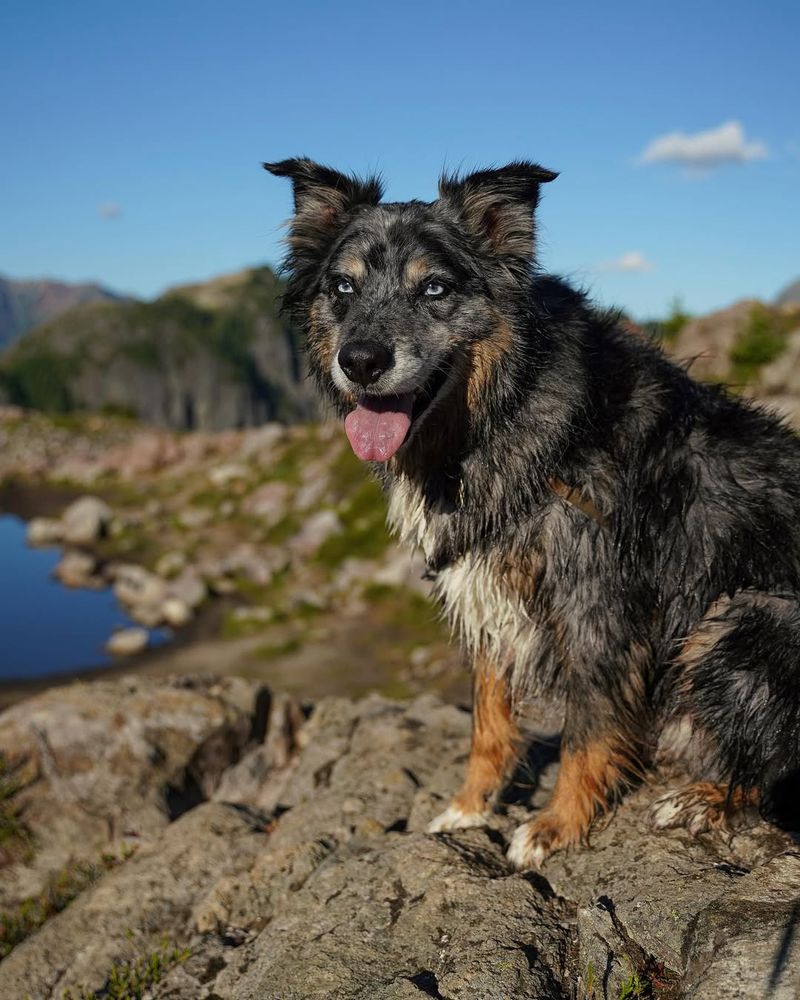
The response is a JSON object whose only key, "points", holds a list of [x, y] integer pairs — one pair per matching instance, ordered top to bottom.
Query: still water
{"points": [[45, 627]]}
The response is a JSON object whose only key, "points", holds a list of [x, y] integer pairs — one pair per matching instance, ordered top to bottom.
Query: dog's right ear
{"points": [[322, 199]]}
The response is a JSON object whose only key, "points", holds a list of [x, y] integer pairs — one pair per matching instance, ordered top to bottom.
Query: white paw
{"points": [[665, 811], [454, 818], [525, 851]]}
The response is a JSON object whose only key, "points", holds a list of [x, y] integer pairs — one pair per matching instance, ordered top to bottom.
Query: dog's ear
{"points": [[322, 199], [497, 207]]}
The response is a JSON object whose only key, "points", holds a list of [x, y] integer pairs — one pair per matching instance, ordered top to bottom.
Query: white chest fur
{"points": [[482, 609]]}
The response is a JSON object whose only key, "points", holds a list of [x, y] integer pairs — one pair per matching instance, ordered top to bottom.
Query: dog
{"points": [[597, 524]]}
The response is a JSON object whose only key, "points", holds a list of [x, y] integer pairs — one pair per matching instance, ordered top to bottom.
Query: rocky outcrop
{"points": [[309, 875]]}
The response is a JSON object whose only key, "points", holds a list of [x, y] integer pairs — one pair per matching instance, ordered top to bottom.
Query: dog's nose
{"points": [[364, 361]]}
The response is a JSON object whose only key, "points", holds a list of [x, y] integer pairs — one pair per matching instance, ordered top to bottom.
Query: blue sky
{"points": [[133, 133]]}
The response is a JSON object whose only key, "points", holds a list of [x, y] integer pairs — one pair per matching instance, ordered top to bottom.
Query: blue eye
{"points": [[344, 287], [434, 289]]}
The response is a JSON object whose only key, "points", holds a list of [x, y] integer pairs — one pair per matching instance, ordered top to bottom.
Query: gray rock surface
{"points": [[320, 882]]}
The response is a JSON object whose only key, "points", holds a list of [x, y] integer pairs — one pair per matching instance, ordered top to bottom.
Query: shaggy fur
{"points": [[595, 522]]}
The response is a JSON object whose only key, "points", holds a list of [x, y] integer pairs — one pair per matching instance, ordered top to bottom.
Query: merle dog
{"points": [[597, 523]]}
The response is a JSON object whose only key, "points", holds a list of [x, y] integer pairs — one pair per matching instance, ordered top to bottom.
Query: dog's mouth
{"points": [[379, 425]]}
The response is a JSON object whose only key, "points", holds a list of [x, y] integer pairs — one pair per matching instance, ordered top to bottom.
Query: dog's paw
{"points": [[696, 808], [454, 818], [536, 840]]}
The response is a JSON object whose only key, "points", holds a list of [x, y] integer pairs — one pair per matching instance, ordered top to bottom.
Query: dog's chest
{"points": [[477, 592]]}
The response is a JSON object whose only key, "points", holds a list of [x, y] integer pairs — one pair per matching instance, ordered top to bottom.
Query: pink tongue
{"points": [[378, 426]]}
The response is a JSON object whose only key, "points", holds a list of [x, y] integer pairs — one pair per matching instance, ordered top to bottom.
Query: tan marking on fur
{"points": [[353, 267], [417, 269], [320, 342], [485, 354], [574, 497], [495, 739], [585, 780]]}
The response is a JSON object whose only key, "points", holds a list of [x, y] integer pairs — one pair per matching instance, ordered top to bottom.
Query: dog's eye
{"points": [[344, 287], [434, 289]]}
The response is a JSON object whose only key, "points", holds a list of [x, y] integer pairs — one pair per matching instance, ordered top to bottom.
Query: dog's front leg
{"points": [[494, 751]]}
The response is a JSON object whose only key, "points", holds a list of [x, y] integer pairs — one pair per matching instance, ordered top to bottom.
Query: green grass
{"points": [[364, 534], [16, 842], [66, 886], [131, 980]]}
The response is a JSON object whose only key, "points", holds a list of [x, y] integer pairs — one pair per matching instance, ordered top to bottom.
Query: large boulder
{"points": [[323, 883]]}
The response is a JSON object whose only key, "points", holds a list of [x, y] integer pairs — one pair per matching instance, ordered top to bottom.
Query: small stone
{"points": [[222, 475], [269, 503], [194, 517], [86, 520], [317, 530], [44, 531], [171, 563], [76, 569], [135, 586], [189, 588], [176, 612], [128, 642]]}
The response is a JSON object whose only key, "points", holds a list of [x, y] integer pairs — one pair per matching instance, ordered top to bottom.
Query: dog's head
{"points": [[402, 301]]}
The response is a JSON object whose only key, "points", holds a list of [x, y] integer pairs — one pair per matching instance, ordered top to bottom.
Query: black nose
{"points": [[364, 361]]}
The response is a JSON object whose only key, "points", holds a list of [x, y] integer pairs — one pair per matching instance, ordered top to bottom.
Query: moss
{"points": [[364, 534], [67, 885], [132, 980]]}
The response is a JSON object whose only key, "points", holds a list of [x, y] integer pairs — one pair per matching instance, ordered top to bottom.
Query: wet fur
{"points": [[596, 523]]}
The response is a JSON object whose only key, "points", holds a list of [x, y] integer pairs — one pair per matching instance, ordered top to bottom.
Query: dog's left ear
{"points": [[497, 207]]}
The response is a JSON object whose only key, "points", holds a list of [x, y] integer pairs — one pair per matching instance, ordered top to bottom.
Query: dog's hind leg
{"points": [[739, 682], [494, 751], [701, 807]]}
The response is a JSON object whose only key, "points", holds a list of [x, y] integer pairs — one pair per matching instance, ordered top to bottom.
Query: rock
{"points": [[707, 341], [260, 443], [223, 475], [269, 503], [194, 517], [85, 521], [316, 530], [44, 531], [171, 563], [76, 569], [137, 587], [188, 587], [176, 612], [128, 641], [107, 761], [322, 882], [128, 915]]}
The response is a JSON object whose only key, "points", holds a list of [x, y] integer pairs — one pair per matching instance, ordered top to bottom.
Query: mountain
{"points": [[790, 296], [26, 304], [207, 356]]}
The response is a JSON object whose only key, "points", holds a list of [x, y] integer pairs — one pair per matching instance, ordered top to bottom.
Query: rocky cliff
{"points": [[207, 357], [208, 840]]}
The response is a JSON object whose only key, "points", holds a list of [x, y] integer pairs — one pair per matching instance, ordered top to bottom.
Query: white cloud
{"points": [[705, 150], [110, 210], [632, 262]]}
